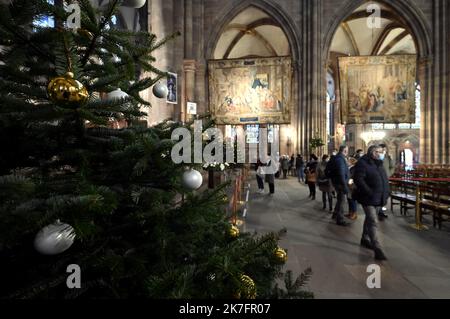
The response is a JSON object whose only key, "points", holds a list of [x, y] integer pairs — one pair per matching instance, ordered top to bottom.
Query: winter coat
{"points": [[299, 162], [285, 163], [310, 172], [340, 175], [323, 182], [371, 182]]}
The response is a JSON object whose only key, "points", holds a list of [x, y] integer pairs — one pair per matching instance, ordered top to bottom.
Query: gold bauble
{"points": [[85, 33], [66, 90], [233, 231], [281, 254], [248, 287]]}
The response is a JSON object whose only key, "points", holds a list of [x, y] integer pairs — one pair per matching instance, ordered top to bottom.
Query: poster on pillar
{"points": [[171, 88], [377, 89], [251, 91]]}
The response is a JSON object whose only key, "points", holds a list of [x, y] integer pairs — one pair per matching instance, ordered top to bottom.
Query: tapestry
{"points": [[377, 89], [245, 91]]}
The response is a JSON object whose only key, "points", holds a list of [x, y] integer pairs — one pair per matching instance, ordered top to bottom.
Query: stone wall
{"points": [[310, 26]]}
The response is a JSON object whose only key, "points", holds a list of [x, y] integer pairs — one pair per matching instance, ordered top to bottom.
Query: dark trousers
{"points": [[285, 173], [301, 174], [260, 182], [272, 188], [312, 189], [330, 200], [352, 205], [339, 208], [370, 225]]}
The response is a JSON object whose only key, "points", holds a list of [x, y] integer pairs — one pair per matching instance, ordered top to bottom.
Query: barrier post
{"points": [[418, 216]]}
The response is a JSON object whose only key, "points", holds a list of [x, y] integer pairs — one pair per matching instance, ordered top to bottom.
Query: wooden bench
{"points": [[405, 193], [436, 201]]}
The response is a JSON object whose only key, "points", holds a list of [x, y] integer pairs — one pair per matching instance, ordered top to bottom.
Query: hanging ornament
{"points": [[133, 3], [85, 33], [65, 89], [160, 90], [116, 95], [192, 179], [233, 231], [54, 239], [281, 254], [211, 276], [248, 287]]}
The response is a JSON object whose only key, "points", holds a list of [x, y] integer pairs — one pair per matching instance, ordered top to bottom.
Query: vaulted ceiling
{"points": [[252, 33], [354, 37]]}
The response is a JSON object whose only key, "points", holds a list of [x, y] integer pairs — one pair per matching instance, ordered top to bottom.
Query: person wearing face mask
{"points": [[388, 165], [372, 192]]}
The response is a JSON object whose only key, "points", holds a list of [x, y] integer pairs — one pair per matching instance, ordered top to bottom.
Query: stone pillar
{"points": [[312, 76], [188, 88], [435, 88]]}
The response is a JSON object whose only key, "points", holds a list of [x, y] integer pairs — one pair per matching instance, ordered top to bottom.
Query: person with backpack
{"points": [[337, 170]]}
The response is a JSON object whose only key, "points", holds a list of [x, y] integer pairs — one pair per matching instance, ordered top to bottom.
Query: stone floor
{"points": [[418, 264]]}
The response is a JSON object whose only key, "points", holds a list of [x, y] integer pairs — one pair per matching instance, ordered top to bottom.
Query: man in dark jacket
{"points": [[339, 178], [372, 191]]}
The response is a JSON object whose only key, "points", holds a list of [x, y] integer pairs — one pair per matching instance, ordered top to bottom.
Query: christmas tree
{"points": [[74, 191]]}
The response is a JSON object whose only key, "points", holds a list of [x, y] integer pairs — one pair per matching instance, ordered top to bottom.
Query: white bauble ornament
{"points": [[133, 3], [160, 90], [116, 94], [192, 179], [54, 239]]}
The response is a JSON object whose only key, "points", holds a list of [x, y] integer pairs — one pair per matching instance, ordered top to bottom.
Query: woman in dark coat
{"points": [[311, 177], [324, 183]]}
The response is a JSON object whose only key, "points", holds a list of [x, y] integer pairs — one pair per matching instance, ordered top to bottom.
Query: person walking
{"points": [[285, 165], [300, 166], [389, 167], [269, 172], [260, 176], [311, 178], [339, 178], [324, 183], [372, 192], [352, 204]]}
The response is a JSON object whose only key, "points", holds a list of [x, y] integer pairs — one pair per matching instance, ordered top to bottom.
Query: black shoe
{"points": [[313, 198], [324, 207], [331, 210], [384, 215], [334, 216], [342, 223], [366, 244], [379, 255]]}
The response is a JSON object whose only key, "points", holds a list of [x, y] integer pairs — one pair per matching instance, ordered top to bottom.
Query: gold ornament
{"points": [[85, 33], [65, 89], [233, 231], [281, 254], [248, 287]]}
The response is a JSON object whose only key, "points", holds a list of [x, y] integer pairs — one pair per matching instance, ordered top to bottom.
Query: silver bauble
{"points": [[133, 3], [160, 90], [116, 94], [192, 179], [54, 239]]}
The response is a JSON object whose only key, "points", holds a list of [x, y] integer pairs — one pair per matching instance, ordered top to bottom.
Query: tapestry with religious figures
{"points": [[377, 89], [245, 91]]}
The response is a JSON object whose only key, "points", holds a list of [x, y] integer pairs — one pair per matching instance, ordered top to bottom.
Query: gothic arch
{"points": [[271, 8], [414, 18]]}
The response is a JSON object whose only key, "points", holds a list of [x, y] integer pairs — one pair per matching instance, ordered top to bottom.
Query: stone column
{"points": [[188, 88]]}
